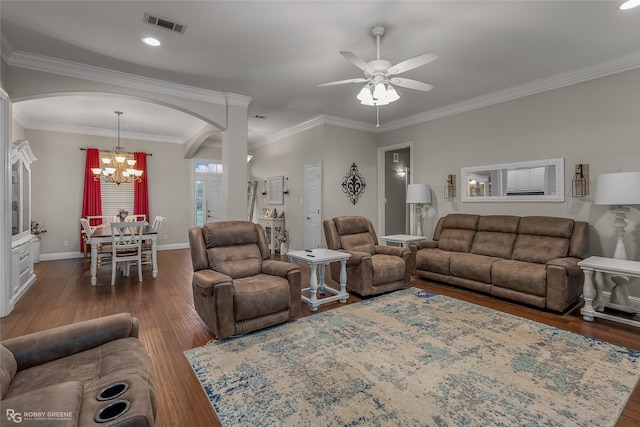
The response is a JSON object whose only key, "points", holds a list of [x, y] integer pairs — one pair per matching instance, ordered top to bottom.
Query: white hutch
{"points": [[22, 275]]}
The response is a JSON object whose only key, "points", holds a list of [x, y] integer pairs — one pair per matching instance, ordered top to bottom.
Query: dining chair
{"points": [[126, 240], [104, 251], [147, 252]]}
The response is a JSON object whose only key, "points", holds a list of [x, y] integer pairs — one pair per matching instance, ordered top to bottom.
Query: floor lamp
{"points": [[619, 189], [418, 194]]}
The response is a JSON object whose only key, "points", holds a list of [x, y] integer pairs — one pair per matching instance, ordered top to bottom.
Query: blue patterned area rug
{"points": [[414, 358]]}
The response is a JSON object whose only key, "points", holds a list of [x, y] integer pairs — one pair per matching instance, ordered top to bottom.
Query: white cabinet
{"points": [[531, 180], [22, 275]]}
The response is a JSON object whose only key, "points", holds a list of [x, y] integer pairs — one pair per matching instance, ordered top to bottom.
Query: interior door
{"points": [[214, 198], [312, 206]]}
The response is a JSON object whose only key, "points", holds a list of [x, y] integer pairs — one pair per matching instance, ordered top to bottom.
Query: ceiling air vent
{"points": [[159, 22]]}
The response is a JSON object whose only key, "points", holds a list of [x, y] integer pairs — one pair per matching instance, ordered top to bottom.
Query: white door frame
{"points": [[381, 181]]}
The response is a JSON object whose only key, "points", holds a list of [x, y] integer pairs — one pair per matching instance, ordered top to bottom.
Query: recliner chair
{"points": [[372, 269], [237, 288]]}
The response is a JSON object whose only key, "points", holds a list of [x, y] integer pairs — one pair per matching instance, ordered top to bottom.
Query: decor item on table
{"points": [[379, 75], [118, 166], [580, 181], [353, 184], [450, 187], [619, 189], [418, 194], [275, 196], [274, 213], [122, 215], [37, 228], [282, 237], [531, 259], [372, 268], [237, 288], [415, 358], [83, 374]]}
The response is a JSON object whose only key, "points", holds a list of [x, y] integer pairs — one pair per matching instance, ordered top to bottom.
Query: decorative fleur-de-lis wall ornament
{"points": [[353, 184]]}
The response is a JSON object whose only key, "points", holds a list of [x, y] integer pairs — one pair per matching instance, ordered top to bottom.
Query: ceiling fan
{"points": [[379, 75]]}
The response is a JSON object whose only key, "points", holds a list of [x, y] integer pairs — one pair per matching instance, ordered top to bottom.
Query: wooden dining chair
{"points": [[126, 240], [103, 250], [147, 252]]}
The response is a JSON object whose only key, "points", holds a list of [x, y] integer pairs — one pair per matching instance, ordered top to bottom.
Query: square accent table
{"points": [[403, 239], [321, 257], [594, 303]]}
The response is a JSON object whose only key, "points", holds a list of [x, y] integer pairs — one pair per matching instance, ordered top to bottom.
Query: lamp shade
{"points": [[620, 188], [418, 193]]}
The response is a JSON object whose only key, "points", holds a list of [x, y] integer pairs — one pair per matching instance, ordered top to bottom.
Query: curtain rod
{"points": [[85, 149]]}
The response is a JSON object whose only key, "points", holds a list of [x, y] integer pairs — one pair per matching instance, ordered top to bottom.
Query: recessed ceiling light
{"points": [[629, 4], [151, 41]]}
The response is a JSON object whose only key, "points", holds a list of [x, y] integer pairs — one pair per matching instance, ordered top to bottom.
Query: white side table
{"points": [[403, 239], [322, 257], [594, 303]]}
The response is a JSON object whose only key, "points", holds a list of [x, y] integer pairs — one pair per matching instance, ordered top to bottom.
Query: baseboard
{"points": [[70, 255]]}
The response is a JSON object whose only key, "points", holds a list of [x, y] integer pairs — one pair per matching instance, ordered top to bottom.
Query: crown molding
{"points": [[6, 50], [102, 75], [556, 81], [323, 119]]}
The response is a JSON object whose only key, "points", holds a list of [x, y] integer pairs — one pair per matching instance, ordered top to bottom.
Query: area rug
{"points": [[414, 358]]}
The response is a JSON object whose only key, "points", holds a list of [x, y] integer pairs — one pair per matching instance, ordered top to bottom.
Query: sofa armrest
{"points": [[423, 244], [391, 250], [356, 257], [569, 264], [278, 268], [206, 280], [52, 344], [59, 398]]}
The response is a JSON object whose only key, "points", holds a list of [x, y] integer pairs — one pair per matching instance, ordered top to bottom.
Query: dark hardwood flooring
{"points": [[62, 294]]}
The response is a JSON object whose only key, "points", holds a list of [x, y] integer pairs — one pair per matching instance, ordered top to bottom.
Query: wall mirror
{"points": [[532, 181], [275, 196]]}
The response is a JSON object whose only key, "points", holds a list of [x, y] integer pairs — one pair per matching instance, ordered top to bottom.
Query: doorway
{"points": [[394, 174], [207, 183], [312, 205]]}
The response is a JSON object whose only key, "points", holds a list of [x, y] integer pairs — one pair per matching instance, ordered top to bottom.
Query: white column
{"points": [[234, 163]]}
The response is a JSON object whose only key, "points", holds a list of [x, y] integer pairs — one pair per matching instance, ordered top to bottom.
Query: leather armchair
{"points": [[372, 269], [237, 288], [59, 373]]}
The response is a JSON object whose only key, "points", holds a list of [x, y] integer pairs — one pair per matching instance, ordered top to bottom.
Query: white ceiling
{"points": [[278, 52]]}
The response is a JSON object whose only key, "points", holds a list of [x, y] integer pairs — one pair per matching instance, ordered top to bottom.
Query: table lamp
{"points": [[418, 194]]}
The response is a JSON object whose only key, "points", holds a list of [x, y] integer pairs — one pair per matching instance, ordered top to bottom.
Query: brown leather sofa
{"points": [[531, 259], [372, 268], [237, 288], [61, 376]]}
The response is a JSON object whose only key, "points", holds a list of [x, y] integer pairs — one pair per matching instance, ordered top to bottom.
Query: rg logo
{"points": [[14, 416]]}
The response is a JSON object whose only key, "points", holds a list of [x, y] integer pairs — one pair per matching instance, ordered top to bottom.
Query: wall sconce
{"points": [[580, 181], [450, 187], [264, 188], [285, 189]]}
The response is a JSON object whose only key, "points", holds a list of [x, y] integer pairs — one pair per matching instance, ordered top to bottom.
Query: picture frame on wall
{"points": [[275, 196]]}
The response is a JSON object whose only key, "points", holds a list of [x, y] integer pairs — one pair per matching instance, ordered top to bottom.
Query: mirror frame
{"points": [[559, 182]]}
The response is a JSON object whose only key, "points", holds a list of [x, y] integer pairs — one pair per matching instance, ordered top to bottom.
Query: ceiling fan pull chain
{"points": [[377, 116]]}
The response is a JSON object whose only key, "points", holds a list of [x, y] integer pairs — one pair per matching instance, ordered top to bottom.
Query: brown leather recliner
{"points": [[372, 268], [237, 288]]}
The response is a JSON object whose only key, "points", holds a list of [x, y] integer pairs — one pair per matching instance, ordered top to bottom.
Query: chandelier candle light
{"points": [[118, 167]]}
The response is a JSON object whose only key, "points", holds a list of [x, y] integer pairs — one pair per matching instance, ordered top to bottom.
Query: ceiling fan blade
{"points": [[357, 61], [412, 63], [341, 82], [410, 84]]}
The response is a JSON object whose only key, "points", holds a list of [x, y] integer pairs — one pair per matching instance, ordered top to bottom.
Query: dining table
{"points": [[102, 234]]}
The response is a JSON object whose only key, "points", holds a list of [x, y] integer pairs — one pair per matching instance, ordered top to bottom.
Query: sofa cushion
{"points": [[462, 221], [500, 223], [351, 224], [546, 226], [456, 240], [358, 242], [494, 244], [539, 249], [435, 260], [236, 261], [472, 266], [387, 268], [526, 277], [260, 295], [8, 367], [62, 402]]}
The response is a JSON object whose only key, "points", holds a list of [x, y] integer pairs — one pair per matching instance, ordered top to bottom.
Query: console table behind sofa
{"points": [[531, 260]]}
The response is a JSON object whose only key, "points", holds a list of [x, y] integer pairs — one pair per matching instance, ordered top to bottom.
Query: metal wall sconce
{"points": [[580, 181], [450, 187], [264, 188], [285, 189]]}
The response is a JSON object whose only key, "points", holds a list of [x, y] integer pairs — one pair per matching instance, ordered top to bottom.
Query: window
{"points": [[207, 177], [116, 197]]}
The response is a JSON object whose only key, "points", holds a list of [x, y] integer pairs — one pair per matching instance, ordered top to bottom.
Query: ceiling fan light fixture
{"points": [[629, 4]]}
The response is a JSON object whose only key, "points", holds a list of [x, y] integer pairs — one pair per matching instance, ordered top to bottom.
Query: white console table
{"points": [[272, 226], [594, 303]]}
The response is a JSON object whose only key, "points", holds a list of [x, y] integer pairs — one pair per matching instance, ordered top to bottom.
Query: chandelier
{"points": [[118, 165]]}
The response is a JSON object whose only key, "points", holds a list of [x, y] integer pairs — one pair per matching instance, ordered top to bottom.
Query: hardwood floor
{"points": [[62, 294]]}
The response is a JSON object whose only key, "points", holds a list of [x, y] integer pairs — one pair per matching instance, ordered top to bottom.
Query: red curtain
{"points": [[141, 189], [92, 197]]}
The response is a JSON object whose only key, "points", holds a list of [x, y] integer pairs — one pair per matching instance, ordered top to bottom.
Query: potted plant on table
{"points": [[37, 228]]}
